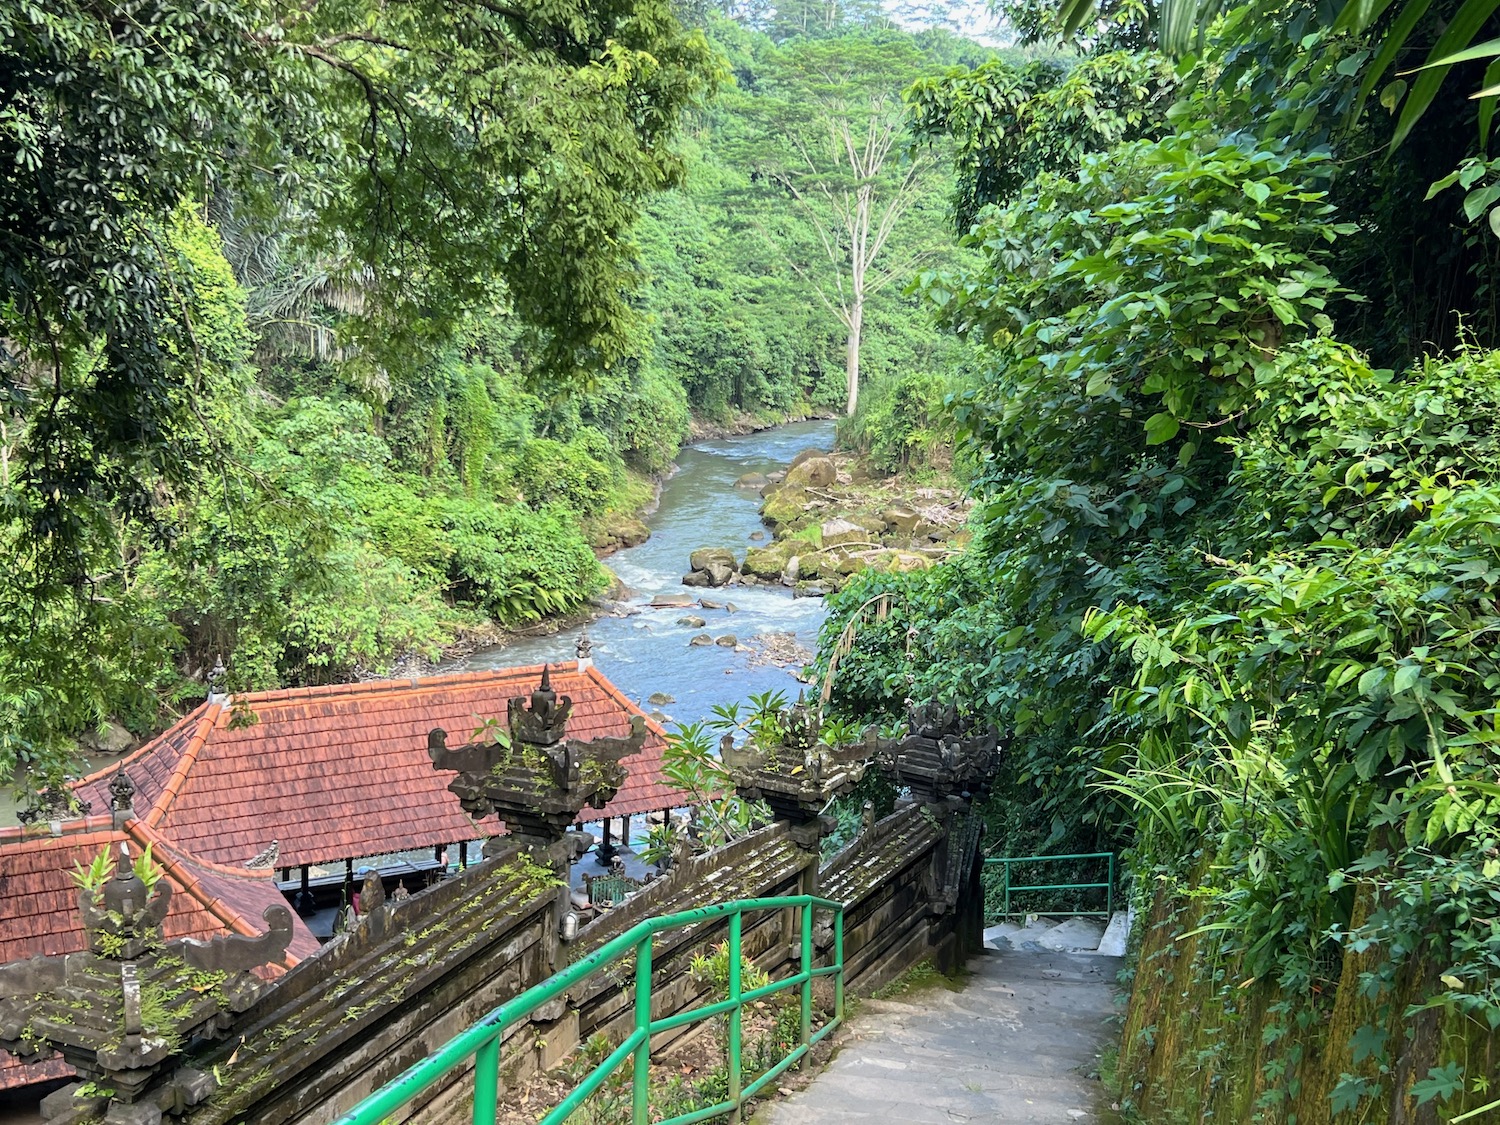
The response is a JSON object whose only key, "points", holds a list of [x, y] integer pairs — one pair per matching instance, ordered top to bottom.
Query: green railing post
{"points": [[1006, 864], [1109, 896], [736, 924], [807, 952], [838, 952], [480, 1043], [487, 1081], [641, 1087]]}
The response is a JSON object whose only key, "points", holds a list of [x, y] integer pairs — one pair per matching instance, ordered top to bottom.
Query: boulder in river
{"points": [[808, 455], [815, 472], [777, 477], [752, 480], [839, 531], [757, 536], [704, 556], [767, 562], [792, 571], [697, 578], [810, 590], [673, 601], [709, 603], [730, 607], [692, 622], [701, 640], [728, 640], [660, 699], [113, 739]]}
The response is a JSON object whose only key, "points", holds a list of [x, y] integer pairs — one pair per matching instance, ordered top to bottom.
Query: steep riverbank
{"points": [[643, 638]]}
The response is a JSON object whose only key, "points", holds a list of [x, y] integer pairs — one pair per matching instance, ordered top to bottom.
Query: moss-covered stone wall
{"points": [[1204, 1042]]}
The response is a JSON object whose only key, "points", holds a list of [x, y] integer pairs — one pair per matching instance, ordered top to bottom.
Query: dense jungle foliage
{"points": [[337, 335], [1233, 588]]}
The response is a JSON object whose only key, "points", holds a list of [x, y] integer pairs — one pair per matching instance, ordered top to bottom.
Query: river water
{"points": [[647, 652]]}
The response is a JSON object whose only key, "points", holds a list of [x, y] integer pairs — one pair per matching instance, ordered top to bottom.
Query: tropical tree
{"points": [[833, 142]]}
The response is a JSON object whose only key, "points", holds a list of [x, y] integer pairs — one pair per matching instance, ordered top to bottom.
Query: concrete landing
{"points": [[1016, 1044]]}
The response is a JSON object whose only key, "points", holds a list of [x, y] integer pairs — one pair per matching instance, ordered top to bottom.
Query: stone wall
{"points": [[417, 972], [1202, 1042]]}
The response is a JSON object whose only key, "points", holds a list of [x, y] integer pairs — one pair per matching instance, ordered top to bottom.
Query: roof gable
{"points": [[339, 772]]}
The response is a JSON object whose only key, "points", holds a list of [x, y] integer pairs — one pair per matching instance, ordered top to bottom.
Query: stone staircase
{"points": [[1036, 934]]}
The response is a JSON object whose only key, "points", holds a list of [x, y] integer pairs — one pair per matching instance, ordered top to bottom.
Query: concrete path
{"points": [[1016, 1044]]}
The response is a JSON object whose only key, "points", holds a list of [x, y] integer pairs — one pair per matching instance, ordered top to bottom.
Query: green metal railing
{"points": [[1010, 888], [482, 1041]]}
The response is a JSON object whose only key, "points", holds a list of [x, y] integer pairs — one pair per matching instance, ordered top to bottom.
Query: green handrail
{"points": [[1010, 888], [481, 1042]]}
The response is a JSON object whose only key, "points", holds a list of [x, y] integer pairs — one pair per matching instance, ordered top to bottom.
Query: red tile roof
{"points": [[340, 772], [39, 902]]}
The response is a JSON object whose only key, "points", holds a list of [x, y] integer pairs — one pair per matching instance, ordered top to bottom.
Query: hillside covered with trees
{"points": [[336, 344], [1233, 587]]}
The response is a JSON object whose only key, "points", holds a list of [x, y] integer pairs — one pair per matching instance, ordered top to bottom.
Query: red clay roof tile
{"points": [[341, 772]]}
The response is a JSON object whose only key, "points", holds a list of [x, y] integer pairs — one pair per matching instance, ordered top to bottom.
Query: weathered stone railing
{"points": [[411, 974]]}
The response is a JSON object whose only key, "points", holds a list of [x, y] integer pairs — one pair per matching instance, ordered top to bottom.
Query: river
{"points": [[644, 650]]}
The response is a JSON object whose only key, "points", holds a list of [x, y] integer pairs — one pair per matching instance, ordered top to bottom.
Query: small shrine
{"points": [[801, 773], [530, 774], [123, 1012]]}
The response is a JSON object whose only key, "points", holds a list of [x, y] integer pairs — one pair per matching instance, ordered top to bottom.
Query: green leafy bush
{"points": [[517, 564]]}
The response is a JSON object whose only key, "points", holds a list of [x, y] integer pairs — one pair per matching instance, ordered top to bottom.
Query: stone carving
{"points": [[533, 776], [266, 858], [371, 893], [122, 1012]]}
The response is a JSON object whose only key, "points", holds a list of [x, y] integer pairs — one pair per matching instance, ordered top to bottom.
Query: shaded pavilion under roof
{"points": [[341, 772]]}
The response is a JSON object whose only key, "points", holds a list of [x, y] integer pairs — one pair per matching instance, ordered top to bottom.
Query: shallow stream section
{"points": [[644, 650]]}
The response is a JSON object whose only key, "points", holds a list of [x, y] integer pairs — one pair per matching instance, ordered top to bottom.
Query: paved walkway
{"points": [[1016, 1044]]}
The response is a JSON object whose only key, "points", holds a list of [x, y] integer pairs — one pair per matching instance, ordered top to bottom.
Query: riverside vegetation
{"points": [[1220, 371], [262, 399], [1234, 571]]}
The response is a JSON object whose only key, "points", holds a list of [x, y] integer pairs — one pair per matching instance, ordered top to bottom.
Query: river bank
{"points": [[832, 518], [642, 639]]}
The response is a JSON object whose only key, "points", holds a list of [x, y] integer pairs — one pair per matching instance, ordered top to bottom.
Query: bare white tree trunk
{"points": [[851, 355]]}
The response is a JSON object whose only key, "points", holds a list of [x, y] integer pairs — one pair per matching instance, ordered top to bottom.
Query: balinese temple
{"points": [[289, 797]]}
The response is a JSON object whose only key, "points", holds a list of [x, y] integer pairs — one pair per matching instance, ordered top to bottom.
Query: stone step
{"points": [[1069, 935]]}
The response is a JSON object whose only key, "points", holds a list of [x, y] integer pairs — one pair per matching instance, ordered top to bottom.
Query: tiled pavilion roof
{"points": [[340, 772], [330, 773], [39, 913]]}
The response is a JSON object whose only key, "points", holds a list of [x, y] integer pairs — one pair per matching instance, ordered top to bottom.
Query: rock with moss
{"points": [[815, 472], [767, 562]]}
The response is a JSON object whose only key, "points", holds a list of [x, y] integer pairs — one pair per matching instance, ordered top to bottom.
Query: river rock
{"points": [[807, 455], [815, 472], [777, 477], [752, 480], [786, 505], [901, 518], [837, 532], [757, 536], [704, 557], [766, 562], [904, 562], [792, 571], [721, 575], [697, 579], [810, 590], [673, 601], [709, 603], [730, 607], [692, 622], [701, 640], [728, 640], [660, 699], [112, 739]]}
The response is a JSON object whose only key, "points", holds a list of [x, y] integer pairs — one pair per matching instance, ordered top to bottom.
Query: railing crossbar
{"points": [[1009, 888], [481, 1042]]}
